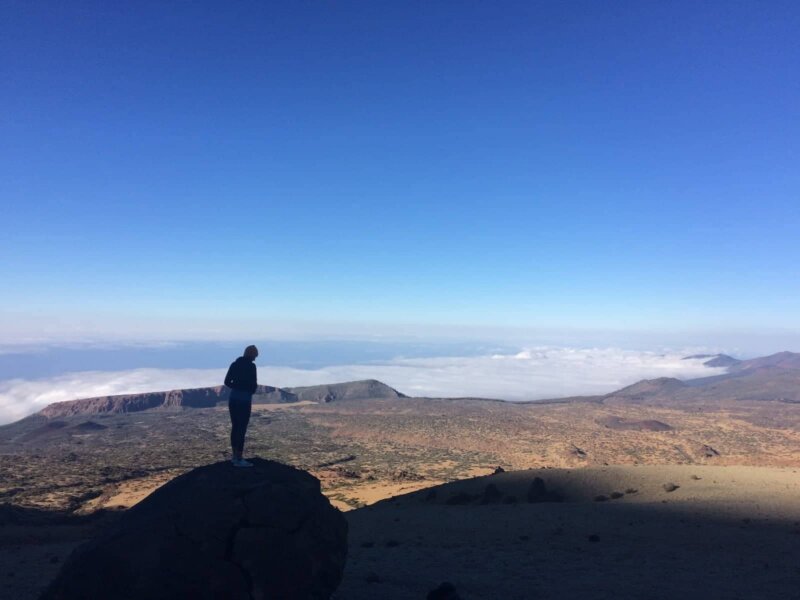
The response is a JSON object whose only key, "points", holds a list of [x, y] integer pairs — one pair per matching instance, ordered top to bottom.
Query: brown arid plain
{"points": [[667, 489]]}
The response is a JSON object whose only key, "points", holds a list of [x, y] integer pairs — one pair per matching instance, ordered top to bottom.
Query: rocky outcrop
{"points": [[352, 390], [266, 394], [105, 404], [705, 451], [216, 532]]}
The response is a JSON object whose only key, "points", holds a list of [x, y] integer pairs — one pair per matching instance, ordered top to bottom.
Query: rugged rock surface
{"points": [[266, 394], [217, 532]]}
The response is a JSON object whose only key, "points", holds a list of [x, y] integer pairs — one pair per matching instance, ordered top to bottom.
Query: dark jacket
{"points": [[242, 375]]}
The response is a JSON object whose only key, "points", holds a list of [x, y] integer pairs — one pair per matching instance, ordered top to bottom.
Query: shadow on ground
{"points": [[626, 533]]}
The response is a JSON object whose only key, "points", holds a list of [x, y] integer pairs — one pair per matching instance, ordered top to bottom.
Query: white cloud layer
{"points": [[531, 374]]}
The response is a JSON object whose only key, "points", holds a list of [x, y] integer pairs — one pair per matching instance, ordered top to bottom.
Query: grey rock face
{"points": [[217, 532]]}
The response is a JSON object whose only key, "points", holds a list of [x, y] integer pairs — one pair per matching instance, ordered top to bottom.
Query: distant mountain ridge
{"points": [[780, 360], [775, 377], [768, 378], [353, 390], [211, 396]]}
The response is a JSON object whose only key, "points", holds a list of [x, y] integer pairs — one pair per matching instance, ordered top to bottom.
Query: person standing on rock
{"points": [[242, 381]]}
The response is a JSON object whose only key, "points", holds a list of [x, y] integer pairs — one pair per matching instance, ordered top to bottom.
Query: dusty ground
{"points": [[366, 451]]}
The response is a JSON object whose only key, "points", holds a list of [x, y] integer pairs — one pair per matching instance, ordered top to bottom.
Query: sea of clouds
{"points": [[531, 374]]}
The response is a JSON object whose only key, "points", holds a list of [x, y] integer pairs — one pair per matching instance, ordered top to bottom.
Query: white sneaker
{"points": [[242, 463]]}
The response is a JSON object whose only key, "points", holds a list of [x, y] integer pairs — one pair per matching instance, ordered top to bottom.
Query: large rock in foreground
{"points": [[217, 532]]}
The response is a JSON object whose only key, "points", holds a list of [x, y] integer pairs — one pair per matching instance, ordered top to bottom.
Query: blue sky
{"points": [[207, 170]]}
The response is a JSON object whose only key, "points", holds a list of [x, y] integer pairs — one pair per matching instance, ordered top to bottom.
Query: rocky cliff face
{"points": [[211, 396], [190, 398], [217, 532]]}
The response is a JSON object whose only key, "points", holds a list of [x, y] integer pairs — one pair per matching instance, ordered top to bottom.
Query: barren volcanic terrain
{"points": [[64, 472]]}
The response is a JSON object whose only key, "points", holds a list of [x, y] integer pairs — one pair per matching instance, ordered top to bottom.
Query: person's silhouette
{"points": [[242, 381]]}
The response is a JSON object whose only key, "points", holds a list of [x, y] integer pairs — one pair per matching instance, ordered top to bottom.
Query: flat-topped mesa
{"points": [[352, 390], [211, 396], [188, 398]]}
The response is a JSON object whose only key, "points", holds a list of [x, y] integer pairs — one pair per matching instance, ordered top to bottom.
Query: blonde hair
{"points": [[250, 352]]}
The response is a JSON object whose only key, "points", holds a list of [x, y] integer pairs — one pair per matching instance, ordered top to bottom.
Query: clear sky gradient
{"points": [[190, 169]]}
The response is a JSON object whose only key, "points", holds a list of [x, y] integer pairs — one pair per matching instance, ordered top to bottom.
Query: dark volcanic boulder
{"points": [[216, 532]]}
